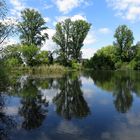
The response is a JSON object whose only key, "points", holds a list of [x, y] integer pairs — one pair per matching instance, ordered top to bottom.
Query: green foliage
{"points": [[31, 27], [80, 29], [69, 37], [62, 38], [124, 40], [11, 51], [29, 53], [11, 56], [123, 56], [42, 58], [105, 58], [137, 60], [12, 62], [87, 64], [118, 64], [75, 65], [46, 69], [3, 77]]}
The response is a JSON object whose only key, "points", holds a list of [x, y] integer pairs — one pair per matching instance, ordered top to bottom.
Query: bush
{"points": [[29, 53], [12, 62], [75, 65], [118, 65], [137, 65]]}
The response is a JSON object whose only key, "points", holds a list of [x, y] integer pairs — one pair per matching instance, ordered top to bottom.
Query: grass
{"points": [[46, 69]]}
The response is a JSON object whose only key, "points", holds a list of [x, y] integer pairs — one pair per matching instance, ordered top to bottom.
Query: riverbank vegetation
{"points": [[69, 37], [121, 55]]}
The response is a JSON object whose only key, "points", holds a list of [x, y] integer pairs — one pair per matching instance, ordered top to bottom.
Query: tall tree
{"points": [[31, 27], [7, 28], [80, 30], [69, 37], [62, 39], [124, 40]]}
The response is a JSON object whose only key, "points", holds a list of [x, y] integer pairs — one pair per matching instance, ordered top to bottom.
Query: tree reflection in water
{"points": [[121, 83], [123, 94], [70, 102], [34, 108], [7, 123]]}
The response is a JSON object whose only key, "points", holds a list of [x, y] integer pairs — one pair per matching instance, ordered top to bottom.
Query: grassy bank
{"points": [[44, 69]]}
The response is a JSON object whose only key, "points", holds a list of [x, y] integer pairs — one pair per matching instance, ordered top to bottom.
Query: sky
{"points": [[104, 15]]}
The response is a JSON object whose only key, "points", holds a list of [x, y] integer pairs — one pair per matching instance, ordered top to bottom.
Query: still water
{"points": [[101, 105]]}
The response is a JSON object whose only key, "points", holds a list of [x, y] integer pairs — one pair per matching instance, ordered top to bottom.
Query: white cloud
{"points": [[18, 6], [46, 6], [65, 6], [127, 9], [78, 17], [73, 18], [47, 19], [9, 21], [104, 30], [90, 39], [9, 41], [49, 44], [88, 52], [48, 94], [11, 110], [67, 127], [124, 130]]}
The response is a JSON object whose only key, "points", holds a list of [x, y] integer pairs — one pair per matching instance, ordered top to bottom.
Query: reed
{"points": [[46, 69]]}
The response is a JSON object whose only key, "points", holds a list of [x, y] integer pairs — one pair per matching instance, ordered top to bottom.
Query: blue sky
{"points": [[104, 15]]}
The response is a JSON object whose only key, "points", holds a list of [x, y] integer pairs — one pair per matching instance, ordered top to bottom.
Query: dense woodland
{"points": [[69, 38]]}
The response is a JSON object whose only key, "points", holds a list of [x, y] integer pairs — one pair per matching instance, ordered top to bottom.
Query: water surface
{"points": [[101, 105]]}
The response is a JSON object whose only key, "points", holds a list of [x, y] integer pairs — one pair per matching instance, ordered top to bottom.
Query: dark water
{"points": [[77, 106]]}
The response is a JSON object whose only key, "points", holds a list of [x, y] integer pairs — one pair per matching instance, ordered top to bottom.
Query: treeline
{"points": [[32, 30], [69, 38], [121, 55]]}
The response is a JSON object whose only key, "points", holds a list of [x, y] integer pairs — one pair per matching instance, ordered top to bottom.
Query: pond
{"points": [[103, 105]]}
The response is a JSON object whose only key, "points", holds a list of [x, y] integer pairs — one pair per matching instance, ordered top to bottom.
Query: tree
{"points": [[31, 27], [7, 28], [79, 32], [69, 37], [62, 39], [124, 40], [29, 54], [11, 55], [42, 57], [105, 58], [137, 59]]}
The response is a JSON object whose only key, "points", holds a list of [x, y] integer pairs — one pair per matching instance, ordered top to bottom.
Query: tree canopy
{"points": [[31, 27], [70, 36], [124, 40]]}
